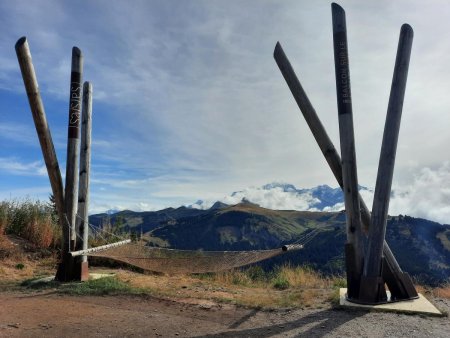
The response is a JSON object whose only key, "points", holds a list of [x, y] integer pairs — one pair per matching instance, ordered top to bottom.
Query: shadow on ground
{"points": [[316, 324]]}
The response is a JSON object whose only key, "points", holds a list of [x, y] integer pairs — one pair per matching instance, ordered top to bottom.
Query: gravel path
{"points": [[50, 315]]}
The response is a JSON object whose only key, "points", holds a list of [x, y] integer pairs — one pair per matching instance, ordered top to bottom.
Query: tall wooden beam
{"points": [[43, 130], [73, 141], [85, 168], [377, 230], [354, 250], [69, 270], [397, 288]]}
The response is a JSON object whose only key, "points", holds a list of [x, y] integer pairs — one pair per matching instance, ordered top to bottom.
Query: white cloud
{"points": [[18, 132], [14, 166], [428, 196], [274, 198]]}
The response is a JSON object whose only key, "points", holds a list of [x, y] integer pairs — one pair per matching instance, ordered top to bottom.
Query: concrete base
{"points": [[91, 276], [420, 305]]}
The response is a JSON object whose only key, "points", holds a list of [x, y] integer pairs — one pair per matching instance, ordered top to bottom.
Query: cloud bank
{"points": [[428, 196]]}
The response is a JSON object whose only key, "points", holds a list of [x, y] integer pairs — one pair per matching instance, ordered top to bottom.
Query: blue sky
{"points": [[189, 103]]}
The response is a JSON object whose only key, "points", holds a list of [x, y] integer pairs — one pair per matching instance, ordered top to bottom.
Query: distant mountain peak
{"points": [[286, 187], [218, 205]]}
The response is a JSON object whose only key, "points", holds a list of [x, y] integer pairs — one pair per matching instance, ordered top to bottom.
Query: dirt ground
{"points": [[47, 314]]}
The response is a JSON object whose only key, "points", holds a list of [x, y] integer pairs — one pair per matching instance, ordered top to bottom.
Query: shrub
{"points": [[4, 209], [32, 220], [256, 273], [280, 282]]}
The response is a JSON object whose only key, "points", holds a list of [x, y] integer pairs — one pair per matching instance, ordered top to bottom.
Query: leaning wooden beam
{"points": [[312, 119], [42, 129], [73, 142], [330, 153], [85, 168], [377, 230], [99, 248], [354, 249]]}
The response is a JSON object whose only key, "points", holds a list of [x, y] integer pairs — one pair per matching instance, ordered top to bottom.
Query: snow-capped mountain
{"points": [[284, 196]]}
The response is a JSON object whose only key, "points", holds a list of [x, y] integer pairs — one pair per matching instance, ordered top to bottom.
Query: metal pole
{"points": [[43, 131], [73, 142], [332, 157], [85, 166], [377, 230], [355, 245]]}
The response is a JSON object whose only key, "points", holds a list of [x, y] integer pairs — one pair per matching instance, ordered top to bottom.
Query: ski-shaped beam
{"points": [[42, 129], [73, 141], [82, 226], [377, 230], [354, 249]]}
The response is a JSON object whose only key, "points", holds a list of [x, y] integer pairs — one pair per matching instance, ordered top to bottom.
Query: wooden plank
{"points": [[43, 131], [73, 142], [348, 152], [85, 167], [377, 230], [99, 248]]}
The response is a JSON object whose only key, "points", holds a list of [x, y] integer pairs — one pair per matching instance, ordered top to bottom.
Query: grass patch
{"points": [[280, 282], [39, 283], [94, 287], [99, 287]]}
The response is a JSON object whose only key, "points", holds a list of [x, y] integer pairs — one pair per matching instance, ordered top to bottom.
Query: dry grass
{"points": [[32, 220], [20, 259], [306, 290], [442, 292]]}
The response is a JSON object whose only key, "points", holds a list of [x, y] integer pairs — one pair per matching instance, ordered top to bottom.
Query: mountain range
{"points": [[286, 196], [422, 247]]}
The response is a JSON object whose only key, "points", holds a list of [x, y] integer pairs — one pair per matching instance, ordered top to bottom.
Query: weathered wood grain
{"points": [[42, 129], [73, 142], [347, 142], [85, 167], [377, 230]]}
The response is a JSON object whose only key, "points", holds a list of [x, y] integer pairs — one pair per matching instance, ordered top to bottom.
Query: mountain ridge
{"points": [[422, 247]]}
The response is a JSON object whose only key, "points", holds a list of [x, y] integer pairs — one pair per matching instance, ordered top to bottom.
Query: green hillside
{"points": [[422, 247]]}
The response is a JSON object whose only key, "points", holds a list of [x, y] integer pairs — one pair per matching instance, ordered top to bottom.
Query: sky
{"points": [[189, 104]]}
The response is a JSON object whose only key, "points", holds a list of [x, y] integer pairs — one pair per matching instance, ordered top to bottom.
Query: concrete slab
{"points": [[100, 275], [50, 279], [420, 305]]}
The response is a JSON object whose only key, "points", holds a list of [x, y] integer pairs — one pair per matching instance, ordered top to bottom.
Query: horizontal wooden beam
{"points": [[99, 248]]}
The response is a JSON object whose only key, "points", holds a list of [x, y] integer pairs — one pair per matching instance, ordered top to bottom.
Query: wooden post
{"points": [[43, 132], [73, 142], [73, 151], [85, 166], [377, 230], [354, 250], [401, 283]]}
